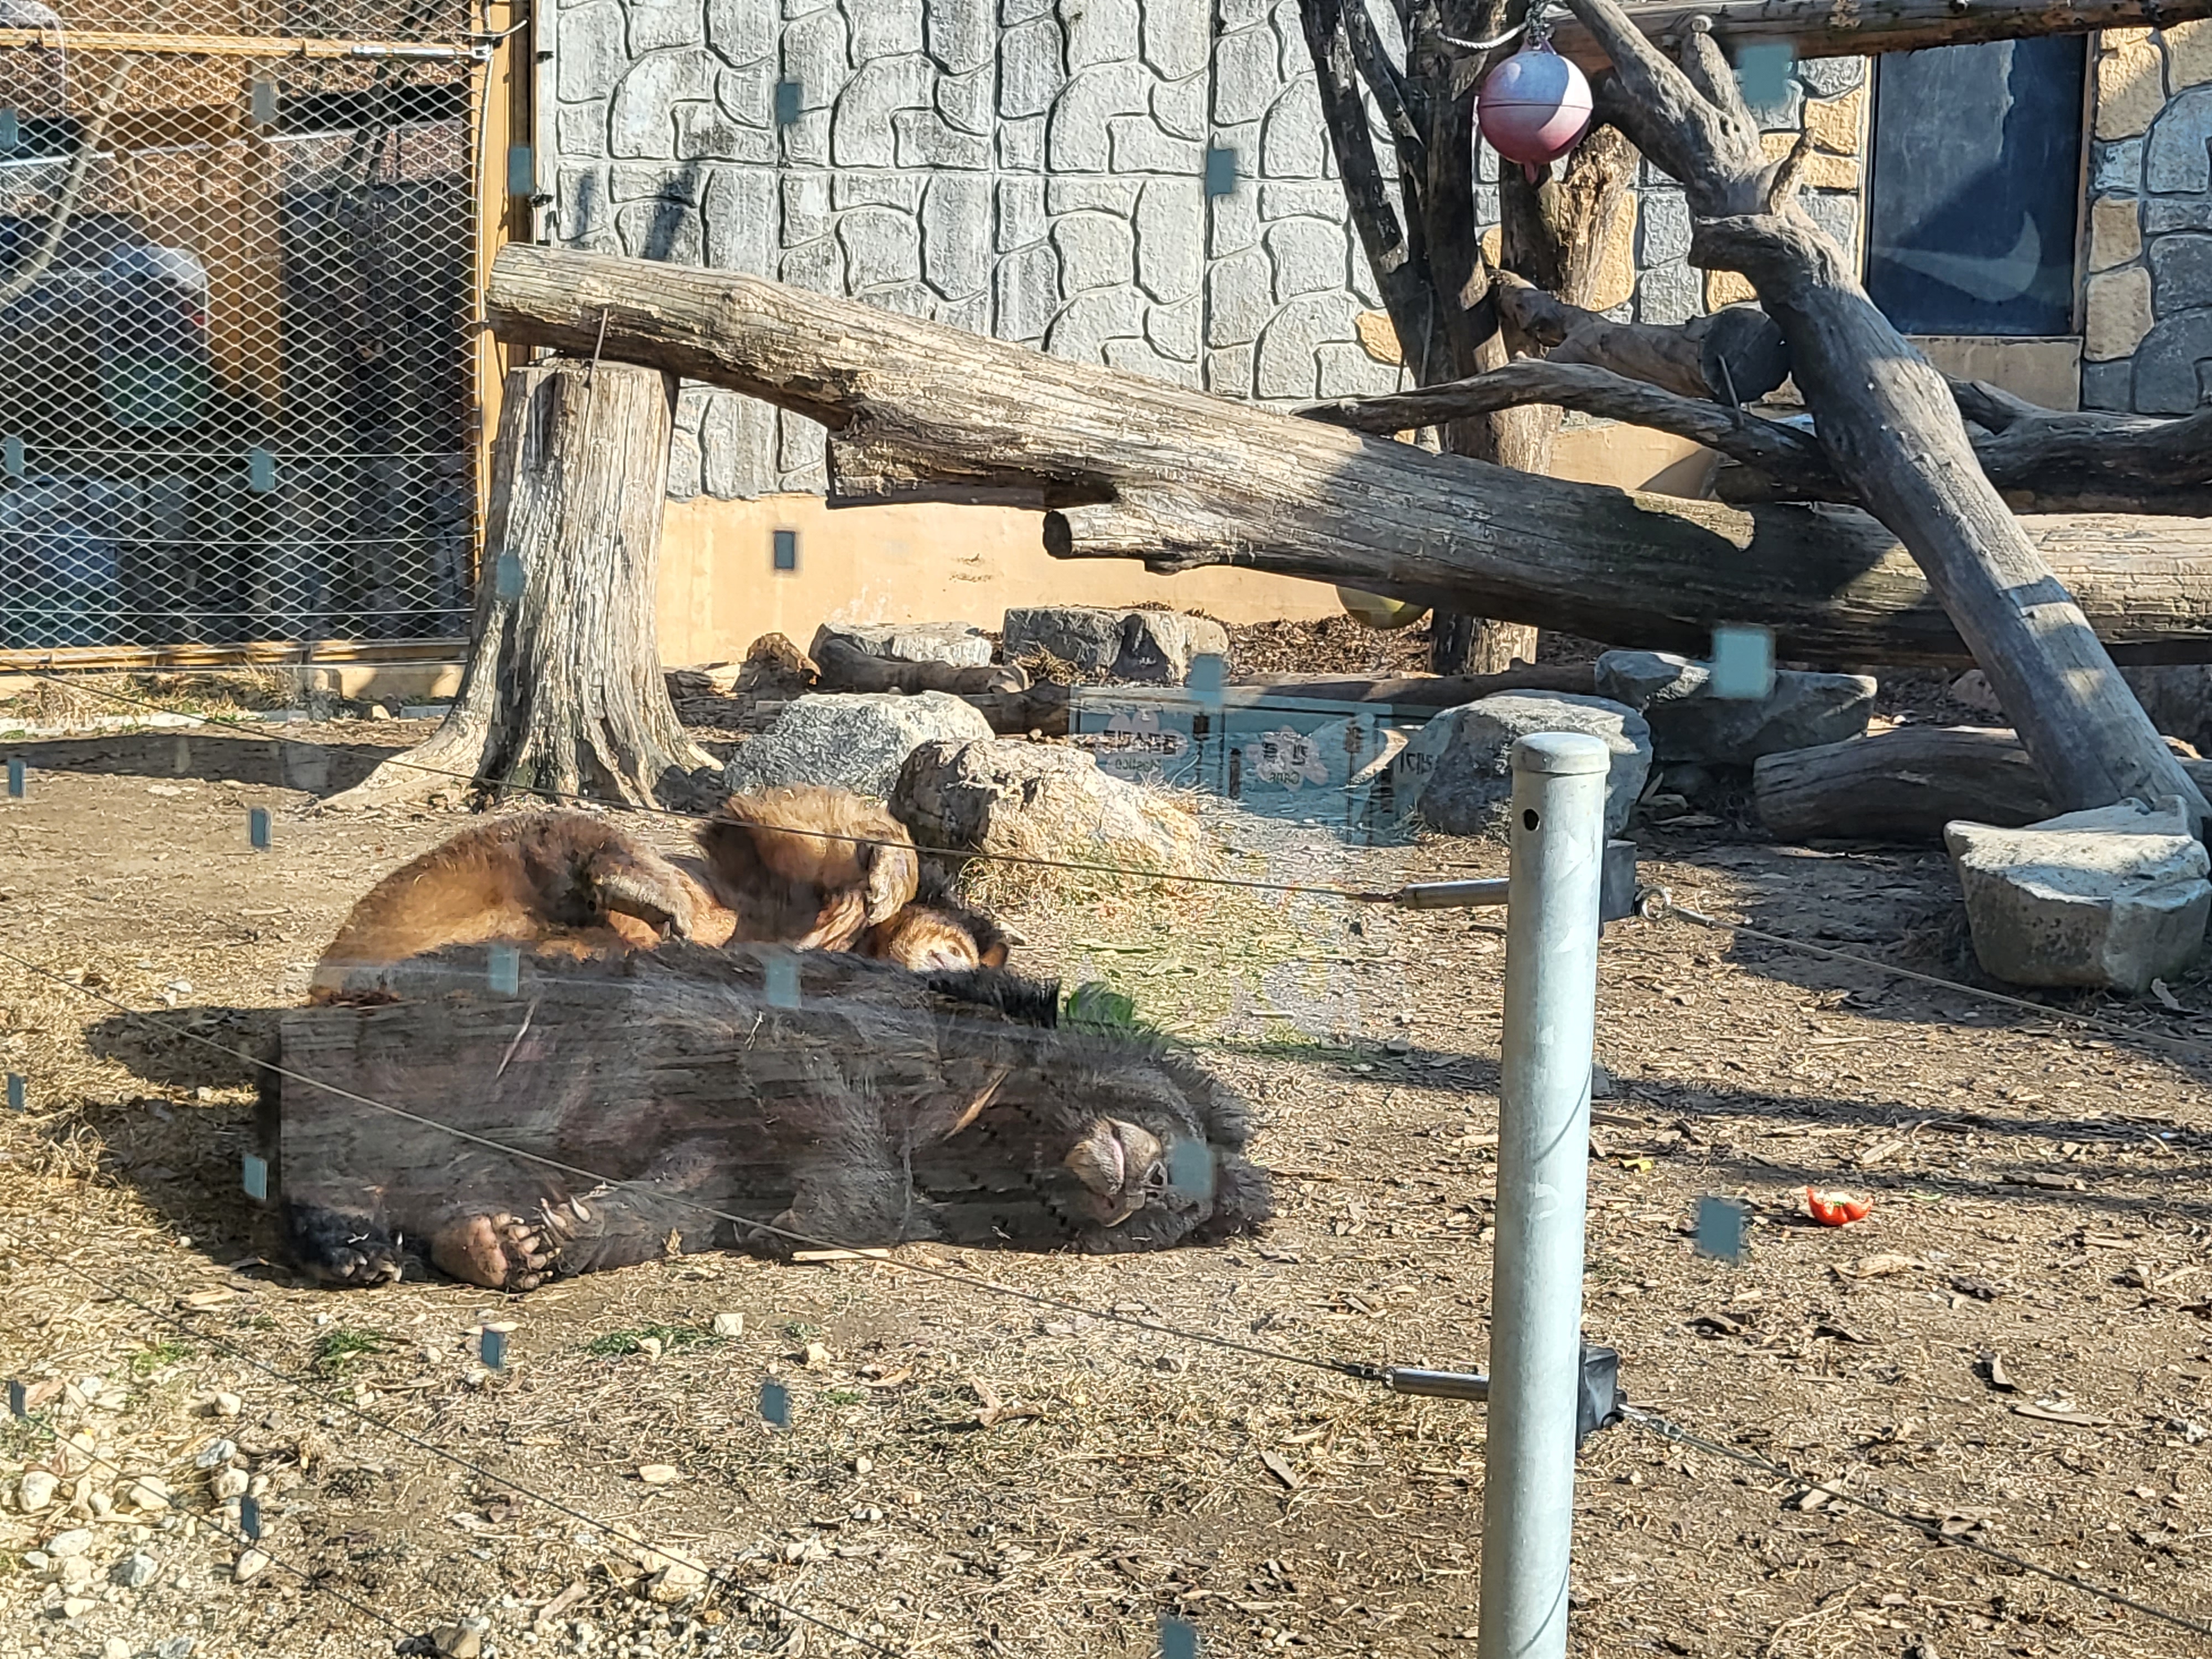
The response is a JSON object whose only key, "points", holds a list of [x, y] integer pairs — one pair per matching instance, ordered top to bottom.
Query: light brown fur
{"points": [[811, 867]]}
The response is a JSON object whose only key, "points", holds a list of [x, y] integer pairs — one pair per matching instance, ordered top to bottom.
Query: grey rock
{"points": [[656, 25], [886, 28], [739, 31], [1102, 31], [962, 34], [1176, 39], [592, 57], [1032, 69], [1245, 77], [1831, 77], [968, 103], [1180, 107], [640, 124], [579, 131], [704, 133], [861, 133], [924, 138], [1294, 139], [1078, 140], [1021, 143], [1136, 144], [2177, 149], [2116, 169], [901, 190], [1117, 196], [1294, 199], [805, 208], [1836, 212], [1021, 213], [740, 214], [2163, 214], [1662, 227], [667, 231], [956, 233], [1171, 239], [881, 246], [1096, 251], [1308, 256], [818, 265], [2181, 271], [1027, 290], [1670, 294], [1240, 298], [1087, 322], [1173, 331], [1138, 357], [1288, 360], [2173, 365], [1345, 370], [1229, 371], [2109, 385], [737, 439], [687, 467], [962, 644], [1154, 646], [2177, 698], [1688, 723], [853, 740], [1456, 771], [1043, 800], [2115, 897], [134, 1571], [175, 1647]]}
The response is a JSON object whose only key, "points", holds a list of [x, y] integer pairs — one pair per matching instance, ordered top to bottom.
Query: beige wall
{"points": [[719, 593]]}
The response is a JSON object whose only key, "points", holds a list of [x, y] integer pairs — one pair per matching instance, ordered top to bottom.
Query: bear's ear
{"points": [[1243, 1199]]}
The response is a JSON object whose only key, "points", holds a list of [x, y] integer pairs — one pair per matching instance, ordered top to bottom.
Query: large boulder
{"points": [[963, 645], [1153, 646], [1690, 726], [855, 740], [1458, 769], [1034, 800], [2115, 897]]}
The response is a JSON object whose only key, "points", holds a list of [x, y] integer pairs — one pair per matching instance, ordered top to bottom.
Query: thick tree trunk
{"points": [[1887, 421], [1179, 480], [563, 695], [1906, 785]]}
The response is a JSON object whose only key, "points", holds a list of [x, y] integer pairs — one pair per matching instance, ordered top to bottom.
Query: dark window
{"points": [[1977, 186], [786, 545]]}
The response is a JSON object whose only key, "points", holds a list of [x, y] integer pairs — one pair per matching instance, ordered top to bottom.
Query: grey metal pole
{"points": [[1552, 927]]}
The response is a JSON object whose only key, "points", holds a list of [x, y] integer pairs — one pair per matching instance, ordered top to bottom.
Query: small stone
{"points": [[377, 711], [2115, 897], [1603, 1086], [729, 1324], [650, 1347], [817, 1357], [227, 1405], [214, 1454], [863, 1463], [659, 1474], [229, 1484], [36, 1491], [148, 1492], [63, 1545], [251, 1564], [134, 1571], [76, 1572], [676, 1582], [75, 1607], [457, 1641], [176, 1647], [115, 1648]]}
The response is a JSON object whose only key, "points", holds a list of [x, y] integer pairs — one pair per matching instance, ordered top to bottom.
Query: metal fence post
{"points": [[1558, 833]]}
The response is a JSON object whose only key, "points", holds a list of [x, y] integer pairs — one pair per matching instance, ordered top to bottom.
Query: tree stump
{"points": [[565, 697]]}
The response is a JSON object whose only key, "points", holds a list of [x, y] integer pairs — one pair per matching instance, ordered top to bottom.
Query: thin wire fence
{"points": [[236, 291]]}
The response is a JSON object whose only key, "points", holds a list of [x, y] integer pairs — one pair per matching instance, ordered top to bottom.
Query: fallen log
{"points": [[1823, 28], [1888, 420], [1180, 480], [845, 667], [1423, 691], [1906, 784], [606, 1113]]}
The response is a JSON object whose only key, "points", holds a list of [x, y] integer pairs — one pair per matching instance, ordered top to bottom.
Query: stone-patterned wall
{"points": [[1031, 169], [2146, 309]]}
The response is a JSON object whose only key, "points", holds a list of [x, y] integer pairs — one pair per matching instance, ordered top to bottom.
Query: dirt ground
{"points": [[964, 1472]]}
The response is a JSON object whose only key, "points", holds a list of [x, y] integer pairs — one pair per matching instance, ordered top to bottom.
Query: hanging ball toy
{"points": [[1534, 107]]}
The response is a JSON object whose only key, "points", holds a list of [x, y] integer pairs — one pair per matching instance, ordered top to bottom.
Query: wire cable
{"points": [[256, 729], [1657, 903], [1357, 1370], [1653, 1423], [386, 1425], [311, 1580]]}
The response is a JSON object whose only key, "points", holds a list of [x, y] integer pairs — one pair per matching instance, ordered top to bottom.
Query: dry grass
{"points": [[901, 1503]]}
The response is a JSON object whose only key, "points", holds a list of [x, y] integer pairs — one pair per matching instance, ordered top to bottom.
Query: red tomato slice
{"points": [[1837, 1209]]}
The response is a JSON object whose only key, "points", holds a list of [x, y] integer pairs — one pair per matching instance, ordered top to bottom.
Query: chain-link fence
{"points": [[235, 356]]}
